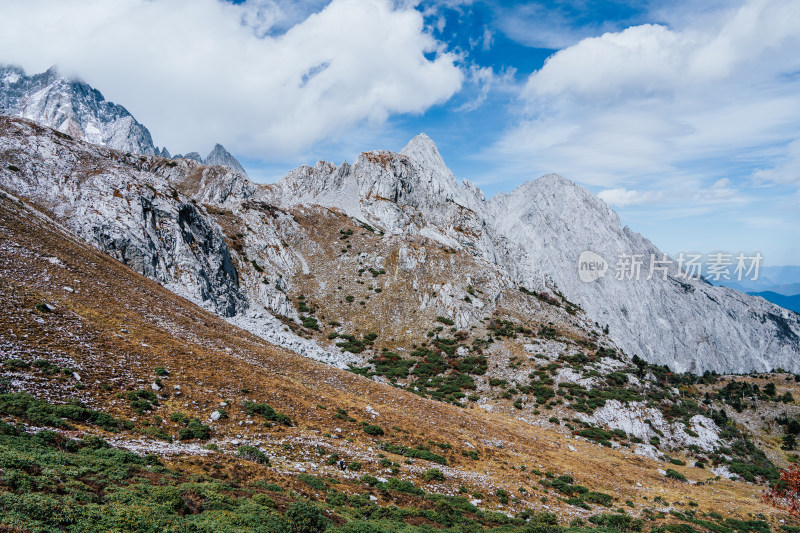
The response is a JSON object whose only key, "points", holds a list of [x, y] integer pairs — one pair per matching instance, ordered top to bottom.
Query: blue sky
{"points": [[684, 115]]}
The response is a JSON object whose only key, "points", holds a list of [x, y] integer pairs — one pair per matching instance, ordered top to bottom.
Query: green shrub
{"points": [[16, 364], [263, 409], [46, 414], [180, 418], [195, 429], [372, 429], [156, 433], [251, 453], [415, 453], [750, 471], [434, 474], [674, 474], [370, 480], [312, 481], [403, 486], [598, 498], [264, 500], [305, 518], [619, 522], [542, 523]]}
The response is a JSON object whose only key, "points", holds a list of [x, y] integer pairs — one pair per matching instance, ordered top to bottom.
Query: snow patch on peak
{"points": [[71, 106]]}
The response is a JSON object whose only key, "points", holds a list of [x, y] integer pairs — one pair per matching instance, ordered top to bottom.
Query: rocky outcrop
{"points": [[133, 214]]}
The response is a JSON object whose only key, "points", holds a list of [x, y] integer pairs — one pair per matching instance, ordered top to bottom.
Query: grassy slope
{"points": [[115, 327]]}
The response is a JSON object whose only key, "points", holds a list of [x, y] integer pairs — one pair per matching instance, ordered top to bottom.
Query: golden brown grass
{"points": [[117, 326]]}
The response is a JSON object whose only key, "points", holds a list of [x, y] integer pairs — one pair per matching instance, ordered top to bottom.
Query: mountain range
{"points": [[73, 107], [530, 239], [791, 302], [369, 346]]}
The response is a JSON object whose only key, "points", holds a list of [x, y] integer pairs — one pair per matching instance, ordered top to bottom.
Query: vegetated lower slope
{"points": [[409, 310], [230, 433]]}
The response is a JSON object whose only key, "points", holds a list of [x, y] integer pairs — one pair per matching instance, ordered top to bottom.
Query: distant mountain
{"points": [[73, 107], [218, 156], [780, 279], [792, 289], [787, 302]]}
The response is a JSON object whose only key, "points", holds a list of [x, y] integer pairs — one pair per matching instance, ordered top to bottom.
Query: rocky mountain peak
{"points": [[52, 74], [73, 107], [423, 150], [220, 156], [560, 198]]}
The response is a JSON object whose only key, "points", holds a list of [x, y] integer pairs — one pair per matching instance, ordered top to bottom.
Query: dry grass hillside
{"points": [[77, 326]]}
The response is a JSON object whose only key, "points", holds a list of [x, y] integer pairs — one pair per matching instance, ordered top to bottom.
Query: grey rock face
{"points": [[71, 107], [131, 213], [536, 234], [669, 319]]}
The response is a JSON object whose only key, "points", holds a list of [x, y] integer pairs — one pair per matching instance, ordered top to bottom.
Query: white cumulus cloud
{"points": [[201, 71], [702, 97]]}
